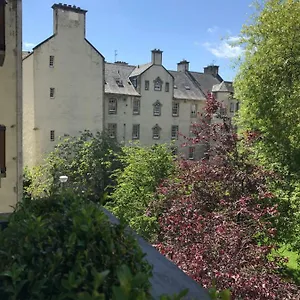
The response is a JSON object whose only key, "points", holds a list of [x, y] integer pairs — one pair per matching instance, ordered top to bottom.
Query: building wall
{"points": [[78, 79], [149, 97], [11, 107], [125, 119], [29, 143]]}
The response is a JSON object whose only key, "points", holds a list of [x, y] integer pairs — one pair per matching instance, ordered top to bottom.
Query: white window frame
{"points": [[51, 61], [158, 84], [147, 85], [167, 87], [52, 92], [112, 106], [136, 106], [232, 107], [157, 109], [175, 109], [194, 110], [112, 130], [136, 131], [156, 132], [174, 132], [52, 135], [191, 153]]}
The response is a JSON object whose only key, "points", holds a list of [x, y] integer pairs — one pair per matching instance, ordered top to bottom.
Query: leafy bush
{"points": [[88, 160], [144, 169], [64, 248]]}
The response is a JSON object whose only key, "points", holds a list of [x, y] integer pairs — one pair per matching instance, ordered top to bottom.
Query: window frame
{"points": [[51, 61], [160, 84], [147, 85], [167, 87], [52, 93], [112, 102], [134, 106], [177, 109], [231, 109], [194, 112], [157, 113], [112, 128], [176, 131], [156, 132], [52, 135], [137, 136], [192, 151]]}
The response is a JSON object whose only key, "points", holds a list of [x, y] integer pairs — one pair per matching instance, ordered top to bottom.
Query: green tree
{"points": [[268, 83], [88, 160], [145, 168]]}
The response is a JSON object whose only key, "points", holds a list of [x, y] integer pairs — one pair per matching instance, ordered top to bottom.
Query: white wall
{"points": [[78, 79], [11, 107], [125, 117]]}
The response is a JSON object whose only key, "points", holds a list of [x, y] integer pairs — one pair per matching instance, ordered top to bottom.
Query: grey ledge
{"points": [[167, 277]]}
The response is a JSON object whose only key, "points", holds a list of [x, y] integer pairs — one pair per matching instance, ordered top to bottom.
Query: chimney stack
{"points": [[69, 19], [156, 57], [183, 66], [212, 70]]}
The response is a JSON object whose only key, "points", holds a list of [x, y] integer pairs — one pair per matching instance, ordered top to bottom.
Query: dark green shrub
{"points": [[65, 248]]}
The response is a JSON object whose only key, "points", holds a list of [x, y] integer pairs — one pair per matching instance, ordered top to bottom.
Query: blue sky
{"points": [[183, 29]]}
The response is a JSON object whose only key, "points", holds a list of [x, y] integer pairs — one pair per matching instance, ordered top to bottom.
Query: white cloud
{"points": [[212, 29], [28, 46], [225, 49]]}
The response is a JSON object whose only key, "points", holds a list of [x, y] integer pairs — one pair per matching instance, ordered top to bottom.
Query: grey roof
{"points": [[140, 69], [121, 72], [205, 81], [224, 86], [186, 88], [167, 277]]}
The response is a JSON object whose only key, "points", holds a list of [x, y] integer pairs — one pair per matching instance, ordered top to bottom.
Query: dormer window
{"points": [[119, 82], [134, 82], [158, 84], [157, 108], [156, 132]]}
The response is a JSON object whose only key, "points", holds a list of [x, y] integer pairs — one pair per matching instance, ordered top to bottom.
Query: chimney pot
{"points": [[183, 66], [212, 70]]}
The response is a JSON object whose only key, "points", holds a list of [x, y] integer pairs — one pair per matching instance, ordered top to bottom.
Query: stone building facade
{"points": [[69, 87]]}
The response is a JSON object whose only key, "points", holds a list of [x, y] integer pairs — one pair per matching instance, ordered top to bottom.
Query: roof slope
{"points": [[140, 69], [114, 72], [205, 81], [224, 86], [185, 87]]}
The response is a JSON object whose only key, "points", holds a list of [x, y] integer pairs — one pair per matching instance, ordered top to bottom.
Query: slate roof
{"points": [[140, 69], [121, 72], [205, 81], [224, 86], [186, 88]]}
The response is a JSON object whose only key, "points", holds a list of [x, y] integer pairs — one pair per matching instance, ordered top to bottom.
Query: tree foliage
{"points": [[268, 83], [88, 160], [144, 168], [216, 219], [63, 247]]}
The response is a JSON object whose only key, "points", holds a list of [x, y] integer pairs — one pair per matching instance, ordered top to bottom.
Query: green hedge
{"points": [[65, 248]]}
